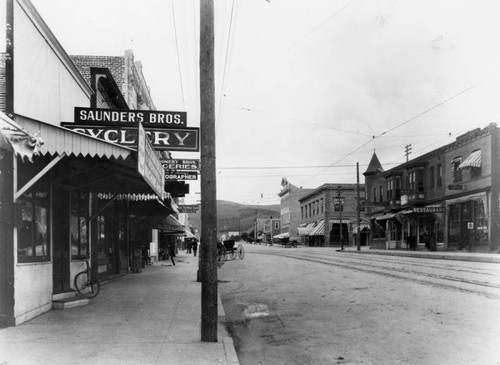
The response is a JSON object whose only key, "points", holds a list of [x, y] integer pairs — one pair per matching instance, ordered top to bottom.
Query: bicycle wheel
{"points": [[241, 251], [86, 287]]}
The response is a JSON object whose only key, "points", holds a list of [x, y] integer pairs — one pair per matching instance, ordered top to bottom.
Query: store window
{"points": [[457, 173], [439, 176], [431, 177], [32, 222], [79, 225], [395, 230]]}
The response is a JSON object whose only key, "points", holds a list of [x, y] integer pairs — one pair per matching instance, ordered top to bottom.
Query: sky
{"points": [[305, 89]]}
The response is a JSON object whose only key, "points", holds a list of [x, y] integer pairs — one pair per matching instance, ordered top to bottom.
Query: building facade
{"points": [[78, 198], [447, 199], [290, 210], [329, 216]]}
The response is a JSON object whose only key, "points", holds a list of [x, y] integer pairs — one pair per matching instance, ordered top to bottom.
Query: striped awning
{"points": [[474, 160], [306, 230], [319, 230]]}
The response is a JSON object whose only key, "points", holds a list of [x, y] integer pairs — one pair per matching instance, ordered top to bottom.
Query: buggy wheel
{"points": [[241, 251], [222, 254], [233, 254]]}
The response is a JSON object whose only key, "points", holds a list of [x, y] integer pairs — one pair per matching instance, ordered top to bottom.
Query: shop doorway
{"points": [[61, 257]]}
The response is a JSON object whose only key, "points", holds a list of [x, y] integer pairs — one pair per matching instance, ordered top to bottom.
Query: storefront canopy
{"points": [[14, 138], [474, 160], [90, 163], [168, 224], [306, 229], [319, 230], [282, 235]]}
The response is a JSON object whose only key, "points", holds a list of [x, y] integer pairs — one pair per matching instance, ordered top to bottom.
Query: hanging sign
{"points": [[120, 117], [167, 139], [148, 164], [181, 165], [181, 175], [188, 208]]}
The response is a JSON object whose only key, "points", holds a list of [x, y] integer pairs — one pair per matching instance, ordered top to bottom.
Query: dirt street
{"points": [[318, 306]]}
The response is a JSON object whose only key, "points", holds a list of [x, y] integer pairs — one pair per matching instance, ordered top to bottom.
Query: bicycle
{"points": [[86, 284]]}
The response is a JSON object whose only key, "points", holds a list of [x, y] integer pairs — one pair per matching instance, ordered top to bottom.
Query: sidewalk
{"points": [[442, 255], [152, 317]]}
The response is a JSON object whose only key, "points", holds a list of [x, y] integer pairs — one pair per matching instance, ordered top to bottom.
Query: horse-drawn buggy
{"points": [[227, 251]]}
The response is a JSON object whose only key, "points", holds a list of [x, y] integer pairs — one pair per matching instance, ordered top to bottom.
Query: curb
{"points": [[224, 337]]}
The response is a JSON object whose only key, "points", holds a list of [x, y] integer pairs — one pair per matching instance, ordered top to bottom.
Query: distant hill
{"points": [[231, 216]]}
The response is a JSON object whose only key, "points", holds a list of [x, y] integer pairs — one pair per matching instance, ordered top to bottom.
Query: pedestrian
{"points": [[189, 245], [195, 247], [171, 252], [145, 256]]}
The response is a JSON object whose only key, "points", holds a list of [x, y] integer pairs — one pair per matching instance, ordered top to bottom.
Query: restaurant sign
{"points": [[148, 163], [428, 209]]}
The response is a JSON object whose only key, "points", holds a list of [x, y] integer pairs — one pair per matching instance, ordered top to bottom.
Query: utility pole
{"points": [[407, 151], [340, 219], [358, 236], [208, 247]]}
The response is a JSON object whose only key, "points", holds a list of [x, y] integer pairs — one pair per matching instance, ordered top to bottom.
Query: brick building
{"points": [[127, 74], [447, 199], [290, 210], [329, 213]]}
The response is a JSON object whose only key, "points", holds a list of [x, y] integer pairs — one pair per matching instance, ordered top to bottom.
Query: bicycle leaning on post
{"points": [[86, 284]]}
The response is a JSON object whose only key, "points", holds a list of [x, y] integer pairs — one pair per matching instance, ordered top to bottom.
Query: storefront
{"points": [[468, 224]]}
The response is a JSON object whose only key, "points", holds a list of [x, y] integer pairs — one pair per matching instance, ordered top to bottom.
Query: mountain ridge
{"points": [[232, 216]]}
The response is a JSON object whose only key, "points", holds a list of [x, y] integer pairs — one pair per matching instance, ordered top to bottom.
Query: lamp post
{"points": [[339, 200]]}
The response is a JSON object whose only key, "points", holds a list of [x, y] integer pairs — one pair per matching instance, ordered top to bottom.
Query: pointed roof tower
{"points": [[374, 166]]}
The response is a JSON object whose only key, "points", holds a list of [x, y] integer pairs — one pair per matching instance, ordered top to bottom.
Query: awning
{"points": [[14, 138], [58, 140], [474, 160], [100, 166], [384, 216], [337, 221], [168, 224], [306, 230], [319, 230], [282, 235]]}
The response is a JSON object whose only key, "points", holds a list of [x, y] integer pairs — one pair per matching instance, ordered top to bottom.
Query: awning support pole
{"points": [[29, 184]]}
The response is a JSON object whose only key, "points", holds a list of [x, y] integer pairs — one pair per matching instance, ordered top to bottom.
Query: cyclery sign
{"points": [[148, 118], [169, 139]]}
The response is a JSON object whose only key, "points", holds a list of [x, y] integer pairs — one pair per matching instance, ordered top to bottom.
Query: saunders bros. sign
{"points": [[114, 117]]}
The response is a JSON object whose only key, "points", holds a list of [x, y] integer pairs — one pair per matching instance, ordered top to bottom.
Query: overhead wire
{"points": [[178, 54], [226, 62], [400, 125]]}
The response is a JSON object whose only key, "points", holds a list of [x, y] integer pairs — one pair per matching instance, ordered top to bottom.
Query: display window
{"points": [[32, 223], [79, 225]]}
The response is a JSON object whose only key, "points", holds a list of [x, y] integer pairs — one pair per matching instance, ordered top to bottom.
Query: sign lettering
{"points": [[115, 117], [169, 139], [181, 165], [172, 175], [188, 208]]}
